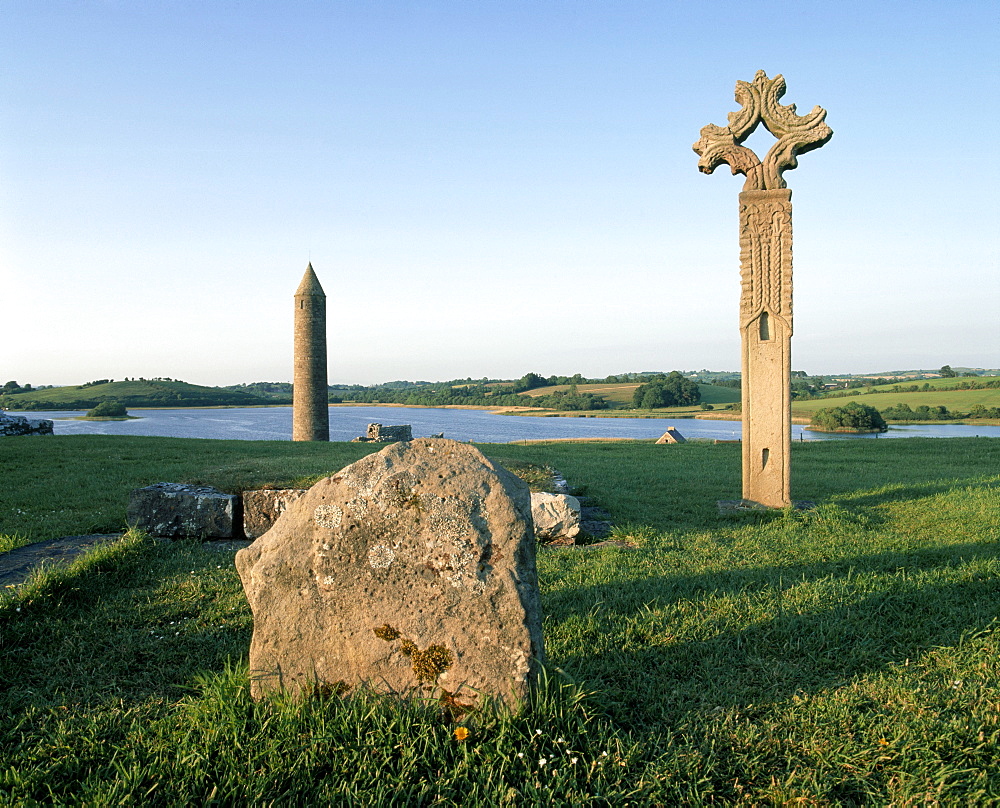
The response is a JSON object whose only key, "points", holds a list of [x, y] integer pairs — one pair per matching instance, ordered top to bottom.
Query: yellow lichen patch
{"points": [[386, 632], [430, 664]]}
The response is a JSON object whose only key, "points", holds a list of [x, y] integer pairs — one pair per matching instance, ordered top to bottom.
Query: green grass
{"points": [[943, 382], [132, 393], [615, 394], [619, 395], [954, 400], [75, 484], [849, 654]]}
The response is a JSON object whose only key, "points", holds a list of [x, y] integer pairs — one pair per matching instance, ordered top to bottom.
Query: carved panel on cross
{"points": [[766, 257]]}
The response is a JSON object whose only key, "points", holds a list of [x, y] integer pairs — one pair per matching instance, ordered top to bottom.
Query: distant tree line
{"points": [[977, 384], [670, 390], [273, 392], [446, 394], [903, 412]]}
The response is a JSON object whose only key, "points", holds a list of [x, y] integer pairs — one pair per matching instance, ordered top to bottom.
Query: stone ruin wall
{"points": [[379, 433]]}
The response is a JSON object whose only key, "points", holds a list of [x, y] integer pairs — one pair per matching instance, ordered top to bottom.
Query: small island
{"points": [[107, 411], [853, 417]]}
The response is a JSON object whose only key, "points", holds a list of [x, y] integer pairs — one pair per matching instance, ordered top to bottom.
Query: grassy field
{"points": [[937, 384], [132, 393], [618, 395], [954, 400], [78, 484], [849, 654]]}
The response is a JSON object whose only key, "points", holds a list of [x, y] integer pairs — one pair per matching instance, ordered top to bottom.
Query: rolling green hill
{"points": [[938, 384], [131, 394], [620, 395], [955, 400]]}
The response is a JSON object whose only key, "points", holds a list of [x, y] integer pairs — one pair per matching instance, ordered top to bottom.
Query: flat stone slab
{"points": [[21, 425], [728, 507], [178, 510], [597, 545], [17, 565], [409, 571]]}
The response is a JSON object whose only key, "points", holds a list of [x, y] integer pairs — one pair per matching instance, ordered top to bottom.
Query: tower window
{"points": [[765, 327]]}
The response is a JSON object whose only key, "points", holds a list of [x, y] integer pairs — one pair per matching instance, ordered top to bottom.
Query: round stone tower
{"points": [[310, 402]]}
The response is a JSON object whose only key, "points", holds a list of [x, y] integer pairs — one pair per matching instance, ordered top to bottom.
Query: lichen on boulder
{"points": [[409, 571]]}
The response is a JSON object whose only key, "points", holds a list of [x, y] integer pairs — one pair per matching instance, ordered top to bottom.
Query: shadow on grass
{"points": [[902, 492], [657, 591], [131, 624], [822, 636]]}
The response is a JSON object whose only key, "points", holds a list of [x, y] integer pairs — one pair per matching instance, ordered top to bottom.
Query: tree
{"points": [[947, 373], [529, 381], [672, 390], [108, 409], [852, 417]]}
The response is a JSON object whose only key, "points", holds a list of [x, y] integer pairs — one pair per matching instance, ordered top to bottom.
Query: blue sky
{"points": [[484, 188]]}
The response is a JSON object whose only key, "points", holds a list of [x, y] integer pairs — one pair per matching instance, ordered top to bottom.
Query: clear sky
{"points": [[484, 188]]}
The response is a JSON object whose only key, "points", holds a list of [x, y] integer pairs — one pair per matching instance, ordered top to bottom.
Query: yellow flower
{"points": [[461, 733]]}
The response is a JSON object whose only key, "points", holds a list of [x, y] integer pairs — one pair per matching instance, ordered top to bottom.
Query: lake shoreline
{"points": [[536, 412], [463, 423]]}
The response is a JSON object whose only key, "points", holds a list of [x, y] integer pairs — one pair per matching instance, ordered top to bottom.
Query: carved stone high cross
{"points": [[765, 272]]}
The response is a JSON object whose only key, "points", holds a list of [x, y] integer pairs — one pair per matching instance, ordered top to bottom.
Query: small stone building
{"points": [[379, 433]]}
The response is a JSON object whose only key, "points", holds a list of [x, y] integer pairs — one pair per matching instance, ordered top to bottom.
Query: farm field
{"points": [[937, 384], [621, 394], [954, 400], [847, 654]]}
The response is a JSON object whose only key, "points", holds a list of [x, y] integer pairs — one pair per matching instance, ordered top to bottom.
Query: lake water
{"points": [[275, 423]]}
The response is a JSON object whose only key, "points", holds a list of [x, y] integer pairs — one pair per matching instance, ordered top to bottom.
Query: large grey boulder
{"points": [[19, 425], [262, 508], [176, 510], [555, 515], [411, 570]]}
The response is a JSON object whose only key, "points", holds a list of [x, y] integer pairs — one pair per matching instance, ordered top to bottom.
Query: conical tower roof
{"points": [[310, 284]]}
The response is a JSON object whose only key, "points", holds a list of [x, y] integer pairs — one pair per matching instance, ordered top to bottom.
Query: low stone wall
{"points": [[19, 425], [176, 510]]}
